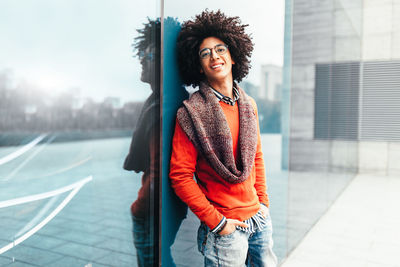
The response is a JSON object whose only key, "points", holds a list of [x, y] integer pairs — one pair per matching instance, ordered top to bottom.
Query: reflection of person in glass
{"points": [[217, 138], [144, 151]]}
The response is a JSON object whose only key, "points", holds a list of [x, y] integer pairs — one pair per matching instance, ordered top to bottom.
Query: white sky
{"points": [[64, 44]]}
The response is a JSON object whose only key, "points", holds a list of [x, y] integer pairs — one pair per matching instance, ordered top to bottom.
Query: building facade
{"points": [[271, 83], [345, 86]]}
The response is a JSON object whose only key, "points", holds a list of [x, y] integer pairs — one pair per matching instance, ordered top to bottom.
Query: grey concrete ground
{"points": [[95, 226], [361, 229]]}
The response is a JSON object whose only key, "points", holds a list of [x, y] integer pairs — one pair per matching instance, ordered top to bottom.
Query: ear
{"points": [[232, 60], [201, 70]]}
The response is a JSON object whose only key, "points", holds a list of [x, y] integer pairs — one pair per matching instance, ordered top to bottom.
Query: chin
{"points": [[218, 77], [144, 78]]}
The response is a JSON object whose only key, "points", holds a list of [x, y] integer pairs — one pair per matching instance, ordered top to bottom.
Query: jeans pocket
{"points": [[202, 233], [226, 236]]}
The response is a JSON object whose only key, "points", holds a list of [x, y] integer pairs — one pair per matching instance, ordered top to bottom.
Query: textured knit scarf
{"points": [[203, 120]]}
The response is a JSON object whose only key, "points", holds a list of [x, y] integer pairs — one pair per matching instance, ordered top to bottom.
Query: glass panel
{"points": [[322, 76], [264, 84], [70, 97], [173, 210]]}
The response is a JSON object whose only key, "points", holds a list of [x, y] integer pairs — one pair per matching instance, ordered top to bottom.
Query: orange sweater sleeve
{"points": [[182, 168], [260, 184]]}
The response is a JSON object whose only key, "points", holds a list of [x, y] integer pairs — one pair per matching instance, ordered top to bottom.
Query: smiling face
{"points": [[216, 68]]}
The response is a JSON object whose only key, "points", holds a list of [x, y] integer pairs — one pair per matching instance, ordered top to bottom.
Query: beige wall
{"points": [[381, 30], [381, 41]]}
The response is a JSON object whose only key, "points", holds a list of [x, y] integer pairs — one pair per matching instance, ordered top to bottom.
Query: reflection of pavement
{"points": [[309, 196], [94, 227], [360, 229], [185, 251]]}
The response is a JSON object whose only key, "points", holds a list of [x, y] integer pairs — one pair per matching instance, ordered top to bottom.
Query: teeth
{"points": [[216, 66]]}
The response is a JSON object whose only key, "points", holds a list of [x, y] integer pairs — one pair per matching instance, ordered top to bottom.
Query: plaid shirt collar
{"points": [[227, 99]]}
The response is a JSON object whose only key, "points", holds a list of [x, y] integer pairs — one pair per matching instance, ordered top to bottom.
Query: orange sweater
{"points": [[212, 197]]}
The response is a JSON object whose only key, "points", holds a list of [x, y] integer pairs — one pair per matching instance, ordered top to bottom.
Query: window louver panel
{"points": [[346, 99], [336, 101], [322, 103], [380, 116]]}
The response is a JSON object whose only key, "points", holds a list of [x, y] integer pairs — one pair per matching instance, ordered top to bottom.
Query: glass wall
{"points": [[322, 54], [77, 79], [264, 84], [83, 145], [306, 171]]}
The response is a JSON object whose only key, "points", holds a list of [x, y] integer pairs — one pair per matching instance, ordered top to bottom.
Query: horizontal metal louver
{"points": [[336, 101], [322, 102], [358, 105], [380, 111]]}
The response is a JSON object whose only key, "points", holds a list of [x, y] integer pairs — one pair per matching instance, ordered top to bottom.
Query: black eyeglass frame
{"points": [[215, 49]]}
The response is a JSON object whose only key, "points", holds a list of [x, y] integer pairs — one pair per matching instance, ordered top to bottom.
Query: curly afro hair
{"points": [[213, 24], [150, 34]]}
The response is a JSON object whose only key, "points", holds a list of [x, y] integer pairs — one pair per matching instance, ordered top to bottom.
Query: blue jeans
{"points": [[143, 238], [238, 248]]}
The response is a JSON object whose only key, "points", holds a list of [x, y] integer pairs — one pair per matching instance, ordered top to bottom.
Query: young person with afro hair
{"points": [[217, 138]]}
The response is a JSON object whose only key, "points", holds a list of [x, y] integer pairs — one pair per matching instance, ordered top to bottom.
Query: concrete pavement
{"points": [[361, 228]]}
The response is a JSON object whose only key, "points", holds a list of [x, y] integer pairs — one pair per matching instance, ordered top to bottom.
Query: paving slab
{"points": [[358, 230], [119, 233], [80, 237], [44, 242], [117, 245], [81, 251], [30, 255], [118, 259], [4, 261], [74, 262], [20, 264]]}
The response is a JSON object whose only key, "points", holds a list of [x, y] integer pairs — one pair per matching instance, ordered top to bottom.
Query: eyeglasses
{"points": [[220, 49], [146, 55]]}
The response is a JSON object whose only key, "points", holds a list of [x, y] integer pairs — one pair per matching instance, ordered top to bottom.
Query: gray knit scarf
{"points": [[202, 119]]}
